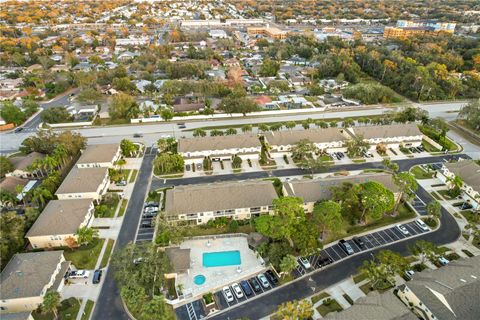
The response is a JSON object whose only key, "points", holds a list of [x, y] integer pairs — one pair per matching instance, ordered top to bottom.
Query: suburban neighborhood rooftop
{"points": [[387, 131], [291, 137], [218, 143], [98, 153], [468, 171], [82, 180]]}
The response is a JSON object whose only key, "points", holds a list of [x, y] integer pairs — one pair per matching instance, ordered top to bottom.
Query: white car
{"points": [[150, 209], [422, 225], [403, 229], [443, 261], [305, 263], [79, 274], [409, 274], [263, 280], [237, 290], [227, 293]]}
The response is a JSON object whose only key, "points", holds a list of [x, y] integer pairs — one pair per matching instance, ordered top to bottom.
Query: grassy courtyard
{"points": [[85, 257], [68, 310]]}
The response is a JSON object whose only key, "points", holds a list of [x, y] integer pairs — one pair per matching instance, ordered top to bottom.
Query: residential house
{"points": [[217, 34], [10, 84], [142, 85], [188, 103], [392, 136], [328, 139], [247, 146], [99, 155], [22, 164], [469, 173], [88, 183], [9, 184], [314, 190], [198, 204], [60, 221], [27, 277], [447, 293]]}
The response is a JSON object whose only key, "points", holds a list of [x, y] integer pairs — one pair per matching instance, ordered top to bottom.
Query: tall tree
{"points": [[303, 149], [6, 166], [407, 185], [376, 200], [434, 209], [329, 216], [86, 235], [288, 264], [51, 302], [293, 310]]}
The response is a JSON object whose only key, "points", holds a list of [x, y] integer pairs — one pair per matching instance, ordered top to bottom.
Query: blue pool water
{"points": [[221, 259], [199, 280]]}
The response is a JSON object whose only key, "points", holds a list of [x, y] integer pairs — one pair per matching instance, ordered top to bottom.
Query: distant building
{"points": [[407, 28], [270, 32], [217, 34], [393, 136], [22, 165], [469, 172], [198, 204]]}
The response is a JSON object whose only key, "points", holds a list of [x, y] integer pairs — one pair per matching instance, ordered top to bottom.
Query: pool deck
{"points": [[217, 277]]}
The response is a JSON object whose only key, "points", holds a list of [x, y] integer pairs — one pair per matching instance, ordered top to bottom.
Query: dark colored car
{"points": [[19, 129], [138, 135], [359, 242], [346, 247], [322, 262], [97, 276], [271, 276], [255, 285], [246, 288]]}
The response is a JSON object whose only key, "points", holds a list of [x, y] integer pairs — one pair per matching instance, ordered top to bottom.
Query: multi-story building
{"points": [[407, 28], [270, 32], [392, 136], [328, 139], [246, 146], [99, 155], [469, 173], [88, 183], [314, 190], [198, 204], [60, 221], [27, 277]]}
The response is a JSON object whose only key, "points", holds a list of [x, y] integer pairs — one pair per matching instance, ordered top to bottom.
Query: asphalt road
{"points": [[404, 165], [267, 304], [109, 305]]}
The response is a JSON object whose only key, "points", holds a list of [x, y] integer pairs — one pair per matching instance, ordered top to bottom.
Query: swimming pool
{"points": [[221, 258], [199, 279]]}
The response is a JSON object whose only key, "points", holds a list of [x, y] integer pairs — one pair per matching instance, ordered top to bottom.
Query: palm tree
{"points": [[60, 154], [50, 163], [120, 163], [37, 166], [19, 190], [41, 195], [7, 198], [86, 235], [51, 302]]}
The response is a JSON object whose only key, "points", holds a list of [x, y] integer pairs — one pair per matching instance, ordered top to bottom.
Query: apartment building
{"points": [[271, 32], [392, 136], [99, 155], [469, 173], [87, 183], [198, 204], [60, 221], [27, 277]]}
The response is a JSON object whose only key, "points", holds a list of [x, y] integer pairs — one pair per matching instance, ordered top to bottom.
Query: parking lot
{"points": [[145, 228], [371, 241], [321, 260]]}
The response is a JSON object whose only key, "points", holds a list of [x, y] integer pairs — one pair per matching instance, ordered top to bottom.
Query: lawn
{"points": [[428, 147], [358, 160], [419, 173], [133, 176], [445, 194], [436, 195], [108, 205], [123, 207], [404, 213], [470, 216], [205, 231], [106, 255], [85, 257], [359, 277], [365, 288], [320, 296], [331, 307], [68, 310], [88, 310]]}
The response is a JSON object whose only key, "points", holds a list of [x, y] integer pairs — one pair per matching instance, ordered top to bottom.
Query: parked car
{"points": [[181, 125], [19, 129], [138, 135], [199, 166], [187, 167], [121, 183], [151, 204], [150, 209], [149, 214], [146, 224], [422, 225], [403, 229], [359, 242], [346, 247], [443, 261], [322, 262], [305, 263], [79, 274], [409, 274], [97, 276], [271, 276], [263, 280], [255, 285], [246, 288], [237, 290], [227, 293]]}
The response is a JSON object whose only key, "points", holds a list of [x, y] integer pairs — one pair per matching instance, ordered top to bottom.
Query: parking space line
{"points": [[416, 228], [412, 230], [390, 233], [399, 234], [380, 235], [387, 236], [378, 238], [367, 239], [354, 245], [332, 253], [342, 254], [328, 255]]}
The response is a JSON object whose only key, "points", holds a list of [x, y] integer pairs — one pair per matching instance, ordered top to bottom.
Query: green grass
{"points": [[428, 147], [358, 160], [237, 170], [373, 170], [419, 173], [134, 175], [445, 194], [436, 196], [123, 207], [107, 208], [404, 213], [470, 216], [431, 222], [205, 231], [476, 242], [106, 255], [85, 257], [359, 277], [365, 288], [320, 296], [326, 309], [68, 310], [88, 310]]}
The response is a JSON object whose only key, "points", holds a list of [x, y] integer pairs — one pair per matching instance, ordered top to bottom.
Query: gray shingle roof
{"points": [[388, 131], [290, 137], [218, 143], [97, 153], [22, 162], [468, 171], [82, 180], [319, 189], [219, 196], [60, 217], [26, 274], [458, 283]]}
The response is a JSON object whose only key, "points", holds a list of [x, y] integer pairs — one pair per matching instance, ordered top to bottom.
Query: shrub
{"points": [[371, 93], [233, 226]]}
